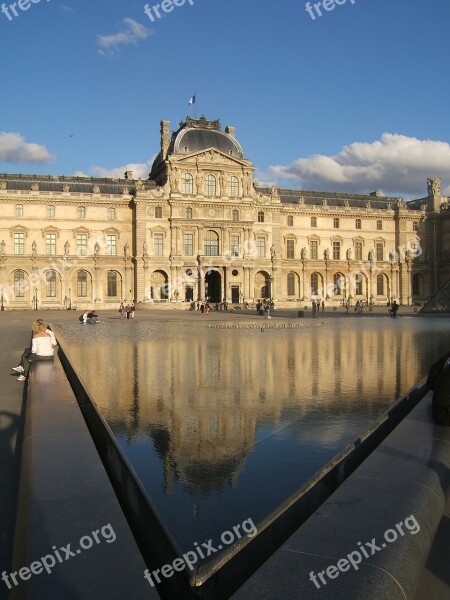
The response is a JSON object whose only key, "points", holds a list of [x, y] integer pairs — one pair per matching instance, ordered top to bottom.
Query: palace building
{"points": [[200, 227]]}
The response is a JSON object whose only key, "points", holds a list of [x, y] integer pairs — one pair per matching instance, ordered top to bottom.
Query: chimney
{"points": [[230, 130], [165, 135], [128, 174], [376, 193]]}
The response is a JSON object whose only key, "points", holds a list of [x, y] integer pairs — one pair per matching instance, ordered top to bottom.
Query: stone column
{"points": [[145, 281], [98, 296]]}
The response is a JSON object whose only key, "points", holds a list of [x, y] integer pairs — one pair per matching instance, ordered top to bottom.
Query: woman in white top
{"points": [[42, 345]]}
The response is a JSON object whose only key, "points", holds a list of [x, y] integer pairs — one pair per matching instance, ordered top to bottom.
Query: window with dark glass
{"points": [[260, 217], [211, 243], [289, 248], [314, 249], [336, 250], [111, 280], [81, 284], [291, 284]]}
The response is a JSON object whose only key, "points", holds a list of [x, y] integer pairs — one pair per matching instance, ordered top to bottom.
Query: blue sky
{"points": [[354, 100]]}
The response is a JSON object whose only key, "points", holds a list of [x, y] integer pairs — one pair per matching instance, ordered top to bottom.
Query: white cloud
{"points": [[64, 8], [131, 33], [15, 149], [398, 164], [141, 170], [80, 174]]}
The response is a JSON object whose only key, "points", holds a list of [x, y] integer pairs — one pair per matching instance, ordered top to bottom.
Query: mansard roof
{"points": [[55, 183], [336, 199]]}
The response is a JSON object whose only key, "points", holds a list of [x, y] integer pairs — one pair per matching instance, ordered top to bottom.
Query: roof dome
{"points": [[191, 140]]}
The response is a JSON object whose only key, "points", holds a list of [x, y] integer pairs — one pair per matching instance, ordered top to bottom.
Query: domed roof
{"points": [[192, 139]]}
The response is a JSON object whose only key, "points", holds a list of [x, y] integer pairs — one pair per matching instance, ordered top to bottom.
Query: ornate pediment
{"points": [[210, 158]]}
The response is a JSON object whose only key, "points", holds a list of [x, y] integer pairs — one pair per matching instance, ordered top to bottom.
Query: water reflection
{"points": [[222, 425]]}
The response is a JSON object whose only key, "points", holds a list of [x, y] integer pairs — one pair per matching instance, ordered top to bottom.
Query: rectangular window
{"points": [[50, 211], [313, 221], [336, 223], [379, 225], [19, 243], [50, 243], [81, 244], [158, 244], [189, 244], [111, 245], [234, 245], [260, 246], [290, 248], [314, 249], [336, 250], [358, 250], [379, 250], [19, 284], [50, 284], [82, 284], [112, 284]]}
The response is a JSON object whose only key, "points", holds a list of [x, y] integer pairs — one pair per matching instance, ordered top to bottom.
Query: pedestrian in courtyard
{"points": [[323, 305], [207, 307], [133, 308], [202, 308], [314, 309], [394, 309], [122, 310], [42, 347], [439, 381]]}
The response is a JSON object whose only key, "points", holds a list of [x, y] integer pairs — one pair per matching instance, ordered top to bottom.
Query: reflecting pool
{"points": [[222, 425]]}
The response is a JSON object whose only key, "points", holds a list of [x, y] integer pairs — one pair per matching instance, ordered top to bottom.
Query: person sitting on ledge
{"points": [[41, 349], [439, 381]]}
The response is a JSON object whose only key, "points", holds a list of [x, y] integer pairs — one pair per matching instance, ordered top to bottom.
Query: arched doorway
{"points": [[262, 285], [213, 286]]}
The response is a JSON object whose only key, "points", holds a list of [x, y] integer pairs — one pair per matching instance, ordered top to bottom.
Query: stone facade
{"points": [[200, 227]]}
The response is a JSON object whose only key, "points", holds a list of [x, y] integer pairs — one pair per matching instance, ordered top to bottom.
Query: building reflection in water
{"points": [[222, 425]]}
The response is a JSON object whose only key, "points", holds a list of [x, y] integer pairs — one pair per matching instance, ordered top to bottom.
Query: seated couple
{"points": [[42, 345]]}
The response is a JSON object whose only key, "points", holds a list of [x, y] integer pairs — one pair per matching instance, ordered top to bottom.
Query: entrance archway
{"points": [[213, 286]]}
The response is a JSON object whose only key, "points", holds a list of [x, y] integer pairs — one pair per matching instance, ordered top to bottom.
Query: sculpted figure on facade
{"points": [[173, 179], [199, 182], [223, 184], [434, 186], [66, 187], [96, 189], [3, 248], [34, 248], [66, 248], [96, 249], [126, 249], [145, 249], [273, 253], [303, 253], [326, 254], [349, 254], [371, 255]]}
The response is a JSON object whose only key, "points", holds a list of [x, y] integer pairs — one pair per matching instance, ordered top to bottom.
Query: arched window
{"points": [[210, 184], [187, 186], [234, 186], [19, 210], [50, 211], [81, 212], [158, 212], [189, 213], [111, 214], [235, 215], [260, 217], [290, 221], [358, 223], [211, 243], [19, 284], [50, 284], [81, 284], [111, 284], [291, 284], [314, 284], [338, 284], [359, 284], [380, 285]]}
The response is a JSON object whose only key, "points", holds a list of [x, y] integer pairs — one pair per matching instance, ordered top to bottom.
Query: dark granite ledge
{"points": [[407, 476], [65, 495]]}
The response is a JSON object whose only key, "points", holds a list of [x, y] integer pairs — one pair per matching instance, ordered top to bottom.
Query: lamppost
{"points": [[35, 299], [2, 307]]}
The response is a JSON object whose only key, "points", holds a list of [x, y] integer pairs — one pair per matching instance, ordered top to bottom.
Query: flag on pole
{"points": [[192, 100]]}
